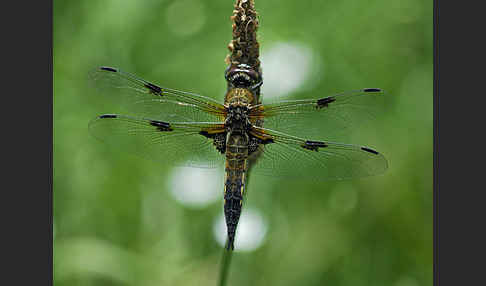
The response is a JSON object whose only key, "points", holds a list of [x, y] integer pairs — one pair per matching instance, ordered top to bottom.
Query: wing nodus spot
{"points": [[153, 88], [324, 102], [161, 126], [314, 145], [369, 150]]}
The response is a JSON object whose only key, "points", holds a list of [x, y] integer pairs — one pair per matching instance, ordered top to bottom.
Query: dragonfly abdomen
{"points": [[236, 167]]}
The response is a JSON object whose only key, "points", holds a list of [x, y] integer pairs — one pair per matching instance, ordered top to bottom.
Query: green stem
{"points": [[225, 265]]}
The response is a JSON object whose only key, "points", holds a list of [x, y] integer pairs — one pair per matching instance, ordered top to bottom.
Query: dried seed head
{"points": [[245, 48]]}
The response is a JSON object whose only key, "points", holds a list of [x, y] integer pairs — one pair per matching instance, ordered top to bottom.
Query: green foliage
{"points": [[115, 222]]}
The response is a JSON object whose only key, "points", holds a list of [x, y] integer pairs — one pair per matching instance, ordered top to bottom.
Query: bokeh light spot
{"points": [[185, 17], [287, 66], [196, 187], [250, 234]]}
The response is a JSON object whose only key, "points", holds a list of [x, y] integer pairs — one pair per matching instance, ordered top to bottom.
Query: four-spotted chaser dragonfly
{"points": [[168, 125]]}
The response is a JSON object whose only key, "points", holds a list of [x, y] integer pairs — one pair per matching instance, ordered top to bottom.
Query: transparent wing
{"points": [[142, 98], [329, 116], [189, 144], [283, 155]]}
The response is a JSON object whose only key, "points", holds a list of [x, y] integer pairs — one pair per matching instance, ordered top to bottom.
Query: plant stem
{"points": [[225, 265]]}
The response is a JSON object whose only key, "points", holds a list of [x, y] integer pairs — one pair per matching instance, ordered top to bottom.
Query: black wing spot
{"points": [[108, 69], [153, 88], [372, 90], [324, 102], [108, 116], [161, 126], [206, 134], [219, 140], [257, 140], [268, 141], [314, 145], [369, 150]]}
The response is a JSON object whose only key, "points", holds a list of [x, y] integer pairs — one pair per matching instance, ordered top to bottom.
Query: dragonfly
{"points": [[184, 128]]}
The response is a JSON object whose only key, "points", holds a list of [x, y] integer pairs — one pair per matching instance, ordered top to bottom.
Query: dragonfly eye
{"points": [[241, 80]]}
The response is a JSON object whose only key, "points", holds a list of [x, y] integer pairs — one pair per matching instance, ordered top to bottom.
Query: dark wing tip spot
{"points": [[108, 69], [372, 90], [108, 116], [369, 150]]}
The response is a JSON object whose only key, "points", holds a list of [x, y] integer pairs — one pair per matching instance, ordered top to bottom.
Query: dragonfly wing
{"points": [[152, 101], [329, 116], [191, 144], [288, 156]]}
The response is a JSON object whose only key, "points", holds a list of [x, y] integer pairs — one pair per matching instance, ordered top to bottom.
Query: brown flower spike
{"points": [[244, 46]]}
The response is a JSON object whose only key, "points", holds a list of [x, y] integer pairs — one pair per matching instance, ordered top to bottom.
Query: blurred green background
{"points": [[116, 219]]}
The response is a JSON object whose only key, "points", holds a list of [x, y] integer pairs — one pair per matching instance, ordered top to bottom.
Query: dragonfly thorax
{"points": [[239, 97], [237, 119]]}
